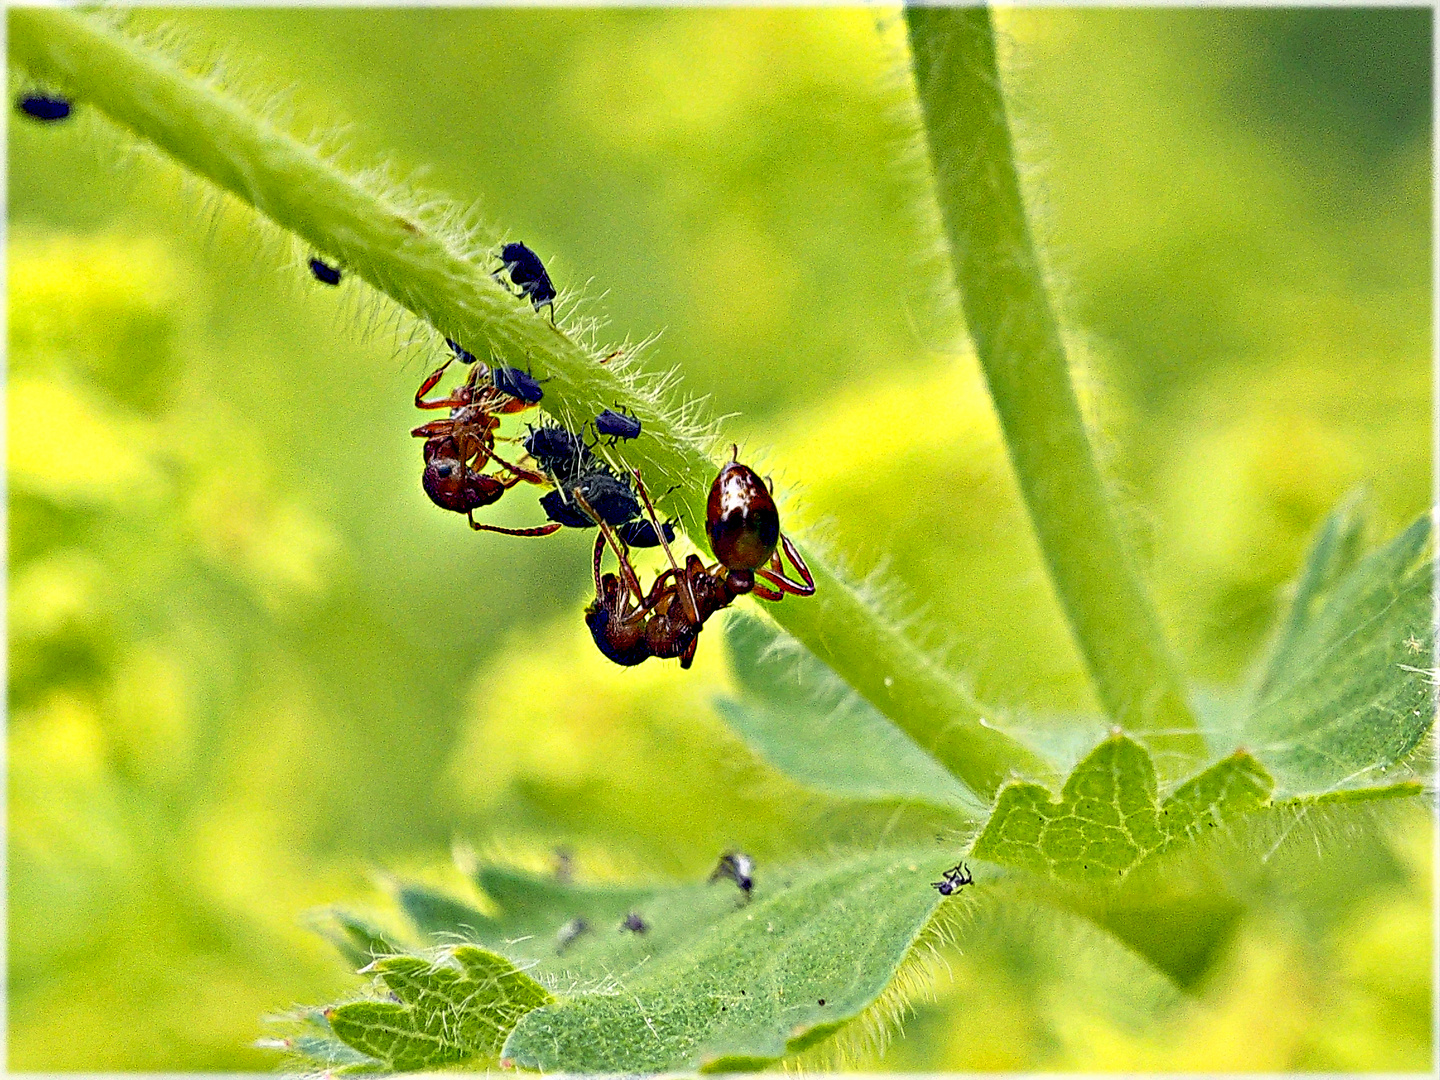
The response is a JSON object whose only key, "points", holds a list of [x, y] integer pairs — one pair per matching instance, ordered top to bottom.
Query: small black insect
{"points": [[44, 108], [323, 271], [527, 273], [463, 355], [517, 383], [617, 425], [560, 452], [610, 498], [568, 514], [641, 534], [564, 866], [738, 867], [953, 880], [634, 923], [569, 932]]}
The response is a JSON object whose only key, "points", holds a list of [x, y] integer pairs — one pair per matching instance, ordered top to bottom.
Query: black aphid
{"points": [[44, 108], [323, 271], [527, 273], [463, 355], [517, 383], [617, 425], [560, 452], [610, 498], [568, 514], [641, 534], [738, 867], [953, 880], [634, 923], [569, 932]]}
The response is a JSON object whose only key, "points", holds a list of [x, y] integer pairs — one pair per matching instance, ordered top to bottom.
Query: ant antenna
{"points": [[626, 570], [692, 610]]}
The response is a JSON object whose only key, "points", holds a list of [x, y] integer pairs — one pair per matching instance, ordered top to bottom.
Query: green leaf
{"points": [[1336, 548], [1348, 696], [807, 723], [1108, 819], [532, 910], [359, 941], [719, 984], [456, 1007], [313, 1043]]}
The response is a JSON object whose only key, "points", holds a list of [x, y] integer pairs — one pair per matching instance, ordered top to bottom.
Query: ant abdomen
{"points": [[742, 521]]}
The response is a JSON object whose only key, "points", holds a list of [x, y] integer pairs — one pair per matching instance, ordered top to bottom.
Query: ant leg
{"points": [[428, 385], [433, 428], [519, 471], [538, 530], [595, 562], [799, 563], [627, 572], [774, 573], [764, 592], [692, 609], [688, 656]]}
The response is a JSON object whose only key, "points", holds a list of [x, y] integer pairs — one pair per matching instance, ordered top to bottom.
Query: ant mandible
{"points": [[743, 525]]}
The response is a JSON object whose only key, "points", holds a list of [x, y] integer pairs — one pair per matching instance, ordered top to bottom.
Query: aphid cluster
{"points": [[465, 472]]}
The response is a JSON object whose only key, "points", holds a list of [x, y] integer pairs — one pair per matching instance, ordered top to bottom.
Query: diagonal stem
{"points": [[387, 245]]}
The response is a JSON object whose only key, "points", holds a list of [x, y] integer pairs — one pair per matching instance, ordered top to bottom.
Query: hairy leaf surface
{"points": [[1350, 694], [1109, 819], [720, 984], [456, 1007]]}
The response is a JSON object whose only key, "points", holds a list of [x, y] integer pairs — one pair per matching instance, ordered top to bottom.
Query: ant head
{"points": [[452, 486]]}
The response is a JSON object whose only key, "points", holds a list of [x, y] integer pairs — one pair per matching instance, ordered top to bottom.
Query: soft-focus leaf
{"points": [[1337, 547], [1349, 696], [803, 720], [1109, 819], [441, 916], [358, 940], [721, 984], [453, 1008]]}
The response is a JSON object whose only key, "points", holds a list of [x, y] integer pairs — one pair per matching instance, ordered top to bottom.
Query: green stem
{"points": [[391, 249], [1018, 341]]}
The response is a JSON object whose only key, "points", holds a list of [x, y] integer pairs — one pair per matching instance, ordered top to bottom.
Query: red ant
{"points": [[463, 443], [453, 485], [743, 525]]}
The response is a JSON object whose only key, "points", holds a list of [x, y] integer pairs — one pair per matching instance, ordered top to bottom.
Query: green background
{"points": [[252, 668]]}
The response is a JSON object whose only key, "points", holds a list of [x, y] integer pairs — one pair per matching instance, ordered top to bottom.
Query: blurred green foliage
{"points": [[249, 661]]}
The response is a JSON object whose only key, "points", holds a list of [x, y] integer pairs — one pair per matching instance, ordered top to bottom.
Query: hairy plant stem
{"points": [[385, 245], [1018, 341]]}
